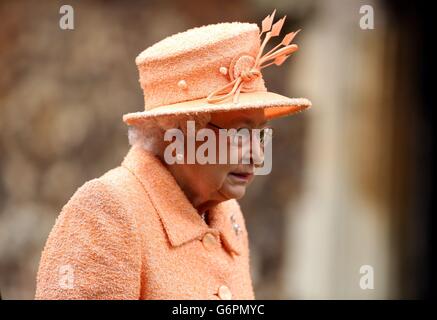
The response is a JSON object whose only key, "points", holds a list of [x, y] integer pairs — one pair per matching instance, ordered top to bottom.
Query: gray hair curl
{"points": [[149, 134]]}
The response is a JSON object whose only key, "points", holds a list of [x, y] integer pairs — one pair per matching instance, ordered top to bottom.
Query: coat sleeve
{"points": [[93, 250]]}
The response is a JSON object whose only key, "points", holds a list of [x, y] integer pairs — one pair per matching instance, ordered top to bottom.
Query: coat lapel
{"points": [[223, 217], [182, 223]]}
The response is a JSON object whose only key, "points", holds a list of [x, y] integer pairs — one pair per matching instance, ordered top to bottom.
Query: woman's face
{"points": [[220, 182]]}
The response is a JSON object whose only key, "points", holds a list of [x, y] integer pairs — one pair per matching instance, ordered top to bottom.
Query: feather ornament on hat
{"points": [[275, 56]]}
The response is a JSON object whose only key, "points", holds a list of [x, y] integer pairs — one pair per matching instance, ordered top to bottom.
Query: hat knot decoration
{"points": [[246, 68]]}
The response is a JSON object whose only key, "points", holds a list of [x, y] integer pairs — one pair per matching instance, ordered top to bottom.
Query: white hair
{"points": [[149, 134]]}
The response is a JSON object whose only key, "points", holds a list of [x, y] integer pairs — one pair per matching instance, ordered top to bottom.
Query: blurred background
{"points": [[353, 178]]}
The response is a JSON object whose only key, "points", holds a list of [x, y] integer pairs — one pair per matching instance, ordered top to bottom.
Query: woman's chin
{"points": [[233, 192]]}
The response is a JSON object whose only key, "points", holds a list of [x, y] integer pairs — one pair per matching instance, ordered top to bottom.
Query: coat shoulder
{"points": [[115, 191], [102, 194], [95, 238]]}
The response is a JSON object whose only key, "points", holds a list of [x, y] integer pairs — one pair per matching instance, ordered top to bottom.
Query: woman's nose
{"points": [[251, 150], [257, 152]]}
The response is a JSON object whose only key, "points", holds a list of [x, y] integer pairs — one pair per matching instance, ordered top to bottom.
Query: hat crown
{"points": [[194, 39], [191, 64]]}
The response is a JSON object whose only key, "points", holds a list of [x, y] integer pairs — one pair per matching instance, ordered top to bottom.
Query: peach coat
{"points": [[133, 234]]}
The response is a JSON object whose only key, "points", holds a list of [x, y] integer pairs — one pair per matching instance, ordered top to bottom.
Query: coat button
{"points": [[209, 241], [224, 293]]}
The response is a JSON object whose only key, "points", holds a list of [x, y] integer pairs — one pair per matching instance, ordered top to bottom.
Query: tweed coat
{"points": [[133, 234]]}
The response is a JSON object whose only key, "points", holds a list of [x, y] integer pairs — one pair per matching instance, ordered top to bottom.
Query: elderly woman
{"points": [[160, 226]]}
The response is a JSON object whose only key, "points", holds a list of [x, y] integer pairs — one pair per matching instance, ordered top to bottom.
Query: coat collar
{"points": [[182, 223]]}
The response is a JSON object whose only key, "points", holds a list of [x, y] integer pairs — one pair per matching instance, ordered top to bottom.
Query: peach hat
{"points": [[214, 68]]}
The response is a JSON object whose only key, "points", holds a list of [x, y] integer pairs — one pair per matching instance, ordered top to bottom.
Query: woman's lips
{"points": [[241, 176]]}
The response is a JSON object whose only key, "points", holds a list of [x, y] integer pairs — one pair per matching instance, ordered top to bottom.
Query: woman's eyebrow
{"points": [[249, 121]]}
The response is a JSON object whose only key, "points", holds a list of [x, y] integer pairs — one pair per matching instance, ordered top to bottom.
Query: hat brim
{"points": [[274, 105]]}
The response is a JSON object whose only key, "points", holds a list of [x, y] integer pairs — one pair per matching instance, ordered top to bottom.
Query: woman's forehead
{"points": [[252, 118]]}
